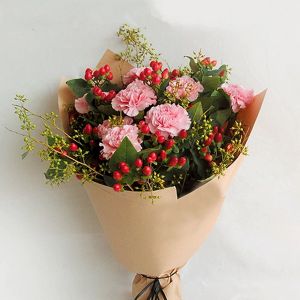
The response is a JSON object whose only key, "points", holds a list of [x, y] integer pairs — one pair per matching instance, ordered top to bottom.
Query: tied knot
{"points": [[156, 290]]}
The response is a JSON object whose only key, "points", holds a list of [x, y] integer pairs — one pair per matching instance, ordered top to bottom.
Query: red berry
{"points": [[206, 61], [213, 63], [159, 65], [155, 66], [106, 68], [102, 71], [147, 72], [96, 73], [175, 73], [88, 74], [165, 74], [221, 74], [109, 76], [143, 76], [156, 80], [97, 91], [111, 94], [103, 95], [142, 123], [88, 129], [145, 129], [215, 129], [221, 129], [95, 130], [183, 134], [211, 135], [218, 137], [160, 139], [207, 142], [92, 143], [169, 143], [73, 147], [229, 147], [204, 149], [64, 153], [163, 154], [152, 157], [208, 157], [173, 161], [182, 161], [122, 163], [138, 163], [125, 169], [147, 171], [117, 175], [117, 187]]}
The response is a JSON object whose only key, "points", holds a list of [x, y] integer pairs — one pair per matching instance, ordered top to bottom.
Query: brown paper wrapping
{"points": [[154, 237]]}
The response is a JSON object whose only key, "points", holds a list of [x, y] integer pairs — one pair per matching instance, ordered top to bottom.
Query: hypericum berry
{"points": [[205, 61], [213, 63], [155, 65], [106, 68], [102, 71], [147, 72], [96, 73], [175, 73], [222, 73], [88, 74], [165, 74], [109, 76], [143, 76], [156, 80], [97, 91], [111, 94], [103, 95], [142, 123], [88, 129], [145, 129], [215, 129], [221, 129], [95, 130], [183, 134], [211, 135], [218, 137], [161, 139], [207, 142], [92, 143], [169, 143], [73, 147], [229, 147], [204, 149], [163, 154], [152, 157], [208, 157], [173, 161], [182, 161], [138, 163], [122, 164], [125, 169], [147, 171], [117, 175], [117, 187]]}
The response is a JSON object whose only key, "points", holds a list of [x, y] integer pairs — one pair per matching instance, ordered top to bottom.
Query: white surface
{"points": [[51, 245]]}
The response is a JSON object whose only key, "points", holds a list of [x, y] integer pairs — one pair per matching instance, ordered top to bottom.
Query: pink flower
{"points": [[133, 74], [185, 87], [239, 96], [136, 97], [81, 105], [169, 119], [103, 128], [114, 136]]}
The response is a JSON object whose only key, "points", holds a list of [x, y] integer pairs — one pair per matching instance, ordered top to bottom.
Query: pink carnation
{"points": [[133, 74], [185, 87], [239, 96], [136, 97], [81, 105], [169, 119], [103, 128], [114, 136]]}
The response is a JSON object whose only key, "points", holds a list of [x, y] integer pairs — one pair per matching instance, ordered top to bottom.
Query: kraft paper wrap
{"points": [[157, 237]]}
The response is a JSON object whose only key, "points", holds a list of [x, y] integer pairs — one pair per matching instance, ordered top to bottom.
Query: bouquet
{"points": [[155, 148]]}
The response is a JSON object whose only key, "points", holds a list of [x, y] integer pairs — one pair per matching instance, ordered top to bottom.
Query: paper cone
{"points": [[155, 238]]}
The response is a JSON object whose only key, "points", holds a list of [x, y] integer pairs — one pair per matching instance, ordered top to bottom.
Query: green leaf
{"points": [[193, 64], [216, 71], [211, 83], [78, 86], [107, 86], [217, 100], [107, 110], [196, 112], [221, 116], [51, 140], [126, 152], [25, 154], [200, 164], [108, 180]]}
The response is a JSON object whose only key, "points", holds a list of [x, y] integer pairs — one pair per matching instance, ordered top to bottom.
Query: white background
{"points": [[51, 245]]}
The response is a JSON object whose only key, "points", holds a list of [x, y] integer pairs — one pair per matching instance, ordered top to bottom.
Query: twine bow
{"points": [[156, 290]]}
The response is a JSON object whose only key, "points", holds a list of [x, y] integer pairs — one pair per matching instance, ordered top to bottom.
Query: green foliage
{"points": [[78, 86], [196, 112]]}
